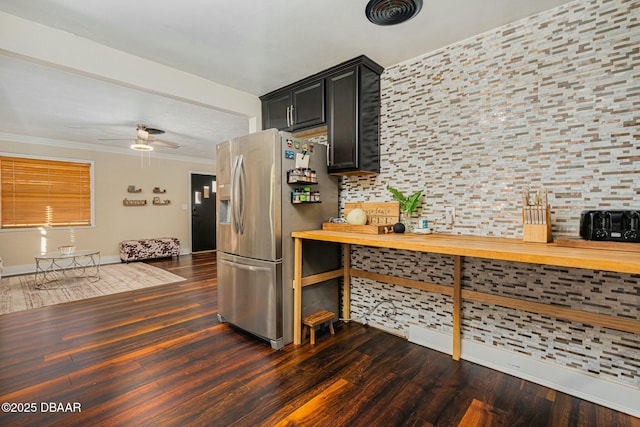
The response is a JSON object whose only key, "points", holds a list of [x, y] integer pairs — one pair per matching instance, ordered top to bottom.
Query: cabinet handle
{"points": [[288, 117], [292, 120], [328, 157]]}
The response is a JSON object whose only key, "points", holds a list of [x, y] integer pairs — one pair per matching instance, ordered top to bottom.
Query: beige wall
{"points": [[113, 173]]}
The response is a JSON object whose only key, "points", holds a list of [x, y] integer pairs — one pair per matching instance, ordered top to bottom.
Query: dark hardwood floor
{"points": [[159, 357]]}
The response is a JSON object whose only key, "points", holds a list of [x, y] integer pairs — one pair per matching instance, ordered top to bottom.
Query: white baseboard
{"points": [[16, 270], [401, 334], [430, 339], [588, 387]]}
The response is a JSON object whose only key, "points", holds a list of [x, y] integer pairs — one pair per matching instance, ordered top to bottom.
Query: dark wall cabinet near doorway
{"points": [[345, 98]]}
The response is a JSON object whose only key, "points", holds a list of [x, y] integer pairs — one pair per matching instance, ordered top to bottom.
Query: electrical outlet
{"points": [[449, 215]]}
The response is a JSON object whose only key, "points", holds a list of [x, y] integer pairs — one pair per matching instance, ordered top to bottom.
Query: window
{"points": [[36, 192]]}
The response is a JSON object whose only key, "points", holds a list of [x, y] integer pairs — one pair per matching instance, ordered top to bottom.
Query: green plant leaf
{"points": [[396, 194], [412, 201], [407, 204]]}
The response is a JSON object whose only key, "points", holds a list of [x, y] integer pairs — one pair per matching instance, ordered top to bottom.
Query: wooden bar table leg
{"points": [[346, 284], [297, 291], [457, 305]]}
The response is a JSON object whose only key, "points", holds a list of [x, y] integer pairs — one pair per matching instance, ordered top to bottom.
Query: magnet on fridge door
{"points": [[289, 143], [296, 144], [289, 154], [302, 161]]}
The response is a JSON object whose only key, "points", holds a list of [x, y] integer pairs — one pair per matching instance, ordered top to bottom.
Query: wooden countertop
{"points": [[490, 248]]}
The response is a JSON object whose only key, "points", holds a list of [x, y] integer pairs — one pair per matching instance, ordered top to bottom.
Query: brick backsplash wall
{"points": [[552, 100]]}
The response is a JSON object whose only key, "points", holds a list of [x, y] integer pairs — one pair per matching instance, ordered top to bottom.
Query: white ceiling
{"points": [[254, 46]]}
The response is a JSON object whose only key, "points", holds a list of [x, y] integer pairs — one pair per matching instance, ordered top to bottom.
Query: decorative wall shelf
{"points": [[131, 202], [143, 202]]}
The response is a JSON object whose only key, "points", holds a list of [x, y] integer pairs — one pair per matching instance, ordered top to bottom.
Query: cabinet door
{"points": [[308, 105], [275, 111], [342, 122]]}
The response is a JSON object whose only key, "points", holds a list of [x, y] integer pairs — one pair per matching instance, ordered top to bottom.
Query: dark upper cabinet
{"points": [[294, 107], [276, 111], [351, 113], [353, 118]]}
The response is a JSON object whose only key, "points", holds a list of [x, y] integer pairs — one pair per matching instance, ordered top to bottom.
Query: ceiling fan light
{"points": [[142, 134], [141, 147]]}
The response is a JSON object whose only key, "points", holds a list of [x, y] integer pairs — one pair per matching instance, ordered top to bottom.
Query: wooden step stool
{"points": [[315, 319]]}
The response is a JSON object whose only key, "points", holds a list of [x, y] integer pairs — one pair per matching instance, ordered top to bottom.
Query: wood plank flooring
{"points": [[159, 357]]}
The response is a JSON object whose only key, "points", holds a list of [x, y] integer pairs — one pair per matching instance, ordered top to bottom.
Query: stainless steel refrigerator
{"points": [[270, 184]]}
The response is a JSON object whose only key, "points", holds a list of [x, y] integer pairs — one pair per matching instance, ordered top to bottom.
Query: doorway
{"points": [[203, 212]]}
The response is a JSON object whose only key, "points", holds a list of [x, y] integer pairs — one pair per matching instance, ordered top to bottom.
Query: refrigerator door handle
{"points": [[242, 191], [234, 194], [243, 266]]}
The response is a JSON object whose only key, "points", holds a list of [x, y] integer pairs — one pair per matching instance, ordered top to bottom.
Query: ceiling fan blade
{"points": [[149, 130], [144, 137], [162, 143]]}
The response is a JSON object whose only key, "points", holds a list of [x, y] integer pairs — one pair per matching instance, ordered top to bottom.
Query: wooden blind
{"points": [[44, 193]]}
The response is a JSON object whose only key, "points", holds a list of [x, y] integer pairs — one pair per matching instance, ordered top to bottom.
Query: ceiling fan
{"points": [[145, 139]]}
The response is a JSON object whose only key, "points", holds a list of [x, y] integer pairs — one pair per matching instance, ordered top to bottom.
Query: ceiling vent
{"points": [[392, 12]]}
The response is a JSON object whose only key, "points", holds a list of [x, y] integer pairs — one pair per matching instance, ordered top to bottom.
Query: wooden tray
{"points": [[381, 213], [380, 218], [362, 229]]}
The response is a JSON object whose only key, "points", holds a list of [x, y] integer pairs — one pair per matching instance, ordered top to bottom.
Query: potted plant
{"points": [[407, 204]]}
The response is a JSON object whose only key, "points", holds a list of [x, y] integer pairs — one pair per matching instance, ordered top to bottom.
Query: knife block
{"points": [[536, 221]]}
